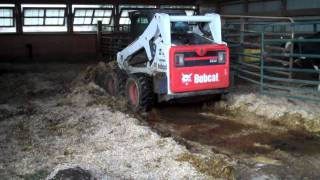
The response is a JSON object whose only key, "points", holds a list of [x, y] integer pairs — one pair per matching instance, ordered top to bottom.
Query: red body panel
{"points": [[198, 78]]}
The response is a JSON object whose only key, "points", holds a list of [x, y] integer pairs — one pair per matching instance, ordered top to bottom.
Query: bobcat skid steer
{"points": [[173, 56]]}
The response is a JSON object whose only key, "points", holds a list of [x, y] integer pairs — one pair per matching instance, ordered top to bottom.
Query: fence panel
{"points": [[278, 57]]}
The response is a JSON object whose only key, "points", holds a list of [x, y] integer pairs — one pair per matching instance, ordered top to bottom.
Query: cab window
{"points": [[142, 20]]}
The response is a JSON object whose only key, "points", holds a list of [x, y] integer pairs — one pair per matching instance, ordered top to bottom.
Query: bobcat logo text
{"points": [[199, 78]]}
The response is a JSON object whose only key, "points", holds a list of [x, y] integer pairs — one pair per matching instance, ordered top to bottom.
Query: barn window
{"points": [[92, 16], [85, 17], [124, 17], [7, 18], [44, 18], [142, 20]]}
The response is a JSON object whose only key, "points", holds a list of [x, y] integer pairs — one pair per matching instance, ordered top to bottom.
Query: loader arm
{"points": [[156, 27]]}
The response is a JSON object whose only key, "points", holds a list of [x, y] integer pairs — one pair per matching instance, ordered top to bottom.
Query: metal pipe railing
{"points": [[260, 17], [272, 65]]}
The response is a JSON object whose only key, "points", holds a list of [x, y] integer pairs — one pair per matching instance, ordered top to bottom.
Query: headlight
{"points": [[222, 57], [179, 60]]}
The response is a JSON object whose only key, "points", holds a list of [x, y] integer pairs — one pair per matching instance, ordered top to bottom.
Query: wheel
{"points": [[100, 74], [99, 79], [114, 83], [110, 84], [139, 93], [217, 97], [212, 100]]}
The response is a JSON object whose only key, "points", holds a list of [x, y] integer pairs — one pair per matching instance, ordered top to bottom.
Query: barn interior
{"points": [[59, 119]]}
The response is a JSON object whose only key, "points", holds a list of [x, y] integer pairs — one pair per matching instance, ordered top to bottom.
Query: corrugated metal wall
{"points": [[302, 4], [268, 6], [233, 9], [301, 10]]}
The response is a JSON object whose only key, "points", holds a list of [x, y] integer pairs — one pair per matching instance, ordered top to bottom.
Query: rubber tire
{"points": [[99, 78], [122, 79], [114, 83], [110, 84], [145, 97], [216, 97]]}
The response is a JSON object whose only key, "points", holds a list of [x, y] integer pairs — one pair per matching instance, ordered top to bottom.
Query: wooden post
{"points": [[246, 7], [284, 8], [197, 11], [69, 17], [116, 17], [19, 20], [99, 37], [242, 38]]}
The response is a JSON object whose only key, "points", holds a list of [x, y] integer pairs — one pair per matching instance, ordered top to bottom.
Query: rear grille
{"points": [[191, 59]]}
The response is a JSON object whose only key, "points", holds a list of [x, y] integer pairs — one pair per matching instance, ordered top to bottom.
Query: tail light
{"points": [[222, 57], [179, 60]]}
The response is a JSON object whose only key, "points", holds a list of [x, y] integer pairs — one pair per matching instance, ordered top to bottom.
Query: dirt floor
{"points": [[52, 116], [272, 152]]}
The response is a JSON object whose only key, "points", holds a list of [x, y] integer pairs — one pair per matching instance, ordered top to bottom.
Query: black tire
{"points": [[99, 78], [122, 79], [114, 83], [110, 84], [139, 93], [217, 97], [212, 100]]}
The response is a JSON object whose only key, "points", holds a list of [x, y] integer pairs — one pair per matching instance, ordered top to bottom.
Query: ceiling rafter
{"points": [[180, 2]]}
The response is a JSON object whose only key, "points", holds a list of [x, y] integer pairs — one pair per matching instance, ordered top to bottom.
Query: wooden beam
{"points": [[150, 2]]}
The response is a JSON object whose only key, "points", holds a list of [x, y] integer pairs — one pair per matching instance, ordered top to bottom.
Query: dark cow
{"points": [[304, 48]]}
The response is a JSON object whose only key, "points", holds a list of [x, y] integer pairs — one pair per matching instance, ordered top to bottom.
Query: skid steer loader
{"points": [[173, 56]]}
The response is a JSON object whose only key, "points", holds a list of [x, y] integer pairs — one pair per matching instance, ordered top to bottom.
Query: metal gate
{"points": [[281, 58]]}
